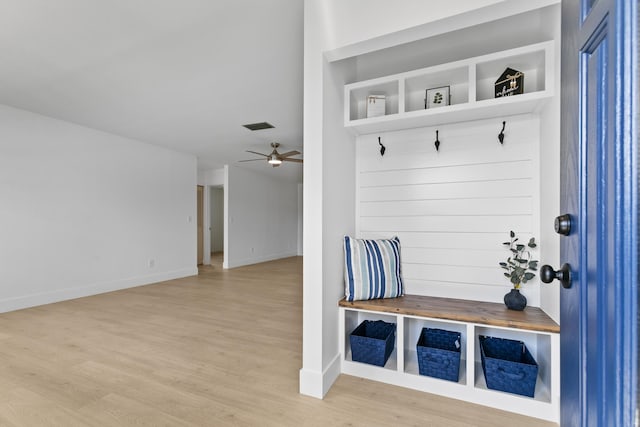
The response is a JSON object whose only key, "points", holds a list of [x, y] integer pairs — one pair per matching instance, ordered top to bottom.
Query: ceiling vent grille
{"points": [[259, 126]]}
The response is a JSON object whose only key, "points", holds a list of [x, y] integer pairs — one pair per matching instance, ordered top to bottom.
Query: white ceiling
{"points": [[183, 74]]}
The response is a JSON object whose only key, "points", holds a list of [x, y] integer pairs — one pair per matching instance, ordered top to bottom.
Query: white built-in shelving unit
{"points": [[471, 83]]}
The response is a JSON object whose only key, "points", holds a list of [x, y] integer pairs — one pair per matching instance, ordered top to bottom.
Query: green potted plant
{"points": [[519, 269]]}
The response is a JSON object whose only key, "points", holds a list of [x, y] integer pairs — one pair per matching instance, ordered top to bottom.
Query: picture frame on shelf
{"points": [[437, 97]]}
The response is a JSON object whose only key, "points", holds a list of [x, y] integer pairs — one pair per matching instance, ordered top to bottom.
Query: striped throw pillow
{"points": [[372, 269]]}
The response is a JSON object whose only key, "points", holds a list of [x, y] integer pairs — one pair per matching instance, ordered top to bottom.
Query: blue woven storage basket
{"points": [[372, 342], [439, 354], [508, 366]]}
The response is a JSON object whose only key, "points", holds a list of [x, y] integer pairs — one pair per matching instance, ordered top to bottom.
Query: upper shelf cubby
{"points": [[531, 63], [416, 83], [471, 85], [357, 107]]}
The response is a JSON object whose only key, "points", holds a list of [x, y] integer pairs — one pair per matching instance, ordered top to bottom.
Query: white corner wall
{"points": [[549, 181], [329, 210], [85, 212], [261, 217]]}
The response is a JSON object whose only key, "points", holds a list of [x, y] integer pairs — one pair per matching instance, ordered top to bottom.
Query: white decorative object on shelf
{"points": [[376, 105]]}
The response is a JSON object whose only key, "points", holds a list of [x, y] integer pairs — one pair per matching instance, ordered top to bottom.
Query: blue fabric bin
{"points": [[372, 342], [439, 354], [508, 366]]}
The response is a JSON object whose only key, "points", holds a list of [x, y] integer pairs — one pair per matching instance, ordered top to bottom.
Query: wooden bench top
{"points": [[486, 313]]}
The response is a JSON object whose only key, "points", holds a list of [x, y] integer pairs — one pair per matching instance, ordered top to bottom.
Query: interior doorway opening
{"points": [[200, 218], [216, 222], [213, 234]]}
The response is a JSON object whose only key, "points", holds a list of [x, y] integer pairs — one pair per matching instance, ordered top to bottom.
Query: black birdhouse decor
{"points": [[510, 82]]}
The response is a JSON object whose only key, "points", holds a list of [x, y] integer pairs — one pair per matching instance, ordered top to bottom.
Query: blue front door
{"points": [[599, 190]]}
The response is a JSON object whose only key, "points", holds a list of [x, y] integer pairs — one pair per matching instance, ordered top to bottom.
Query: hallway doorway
{"points": [[200, 215], [216, 222]]}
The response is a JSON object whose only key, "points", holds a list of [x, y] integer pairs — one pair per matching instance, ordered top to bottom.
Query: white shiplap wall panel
{"points": [[414, 149], [426, 156], [446, 174], [453, 190], [490, 206], [452, 209], [468, 222], [445, 240], [441, 256], [452, 273], [471, 291]]}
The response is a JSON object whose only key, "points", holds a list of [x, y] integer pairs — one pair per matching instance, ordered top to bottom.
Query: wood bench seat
{"points": [[485, 313]]}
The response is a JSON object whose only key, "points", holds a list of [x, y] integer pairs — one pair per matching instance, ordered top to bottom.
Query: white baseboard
{"points": [[258, 259], [26, 301], [317, 384]]}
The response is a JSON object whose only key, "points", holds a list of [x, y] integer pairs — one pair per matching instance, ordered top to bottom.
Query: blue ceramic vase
{"points": [[514, 300]]}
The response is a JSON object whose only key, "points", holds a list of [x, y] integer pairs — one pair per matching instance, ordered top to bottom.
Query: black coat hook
{"points": [[501, 134], [437, 143], [382, 147]]}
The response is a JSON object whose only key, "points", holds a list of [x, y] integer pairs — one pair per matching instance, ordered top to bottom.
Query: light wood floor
{"points": [[223, 348]]}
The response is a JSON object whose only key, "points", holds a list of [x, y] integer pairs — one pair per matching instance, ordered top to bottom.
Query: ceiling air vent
{"points": [[258, 126]]}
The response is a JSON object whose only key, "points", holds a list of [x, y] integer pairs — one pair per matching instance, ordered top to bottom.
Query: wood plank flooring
{"points": [[220, 349]]}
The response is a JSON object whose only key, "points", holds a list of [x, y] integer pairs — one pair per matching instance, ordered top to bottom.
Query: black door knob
{"points": [[562, 224], [547, 274]]}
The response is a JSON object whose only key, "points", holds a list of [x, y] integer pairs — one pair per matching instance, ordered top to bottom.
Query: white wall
{"points": [[361, 20], [356, 27], [214, 177], [549, 182], [338, 196], [329, 210], [84, 212], [262, 217], [312, 373]]}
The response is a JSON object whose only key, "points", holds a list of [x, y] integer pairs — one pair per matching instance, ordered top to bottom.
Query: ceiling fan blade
{"points": [[289, 153], [259, 154], [251, 160], [292, 160]]}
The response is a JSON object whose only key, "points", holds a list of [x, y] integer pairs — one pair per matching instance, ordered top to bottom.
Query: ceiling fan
{"points": [[275, 159]]}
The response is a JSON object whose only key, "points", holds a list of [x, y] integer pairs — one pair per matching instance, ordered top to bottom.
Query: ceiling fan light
{"points": [[274, 160]]}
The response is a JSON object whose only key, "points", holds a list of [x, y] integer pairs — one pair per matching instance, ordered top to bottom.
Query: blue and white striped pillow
{"points": [[372, 269]]}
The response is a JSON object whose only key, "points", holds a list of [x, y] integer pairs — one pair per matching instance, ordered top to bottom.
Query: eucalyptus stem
{"points": [[519, 266]]}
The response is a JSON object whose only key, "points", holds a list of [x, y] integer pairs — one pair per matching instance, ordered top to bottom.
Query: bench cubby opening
{"points": [[351, 321], [413, 327]]}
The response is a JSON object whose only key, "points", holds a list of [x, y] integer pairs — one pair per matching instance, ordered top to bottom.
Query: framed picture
{"points": [[437, 97]]}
